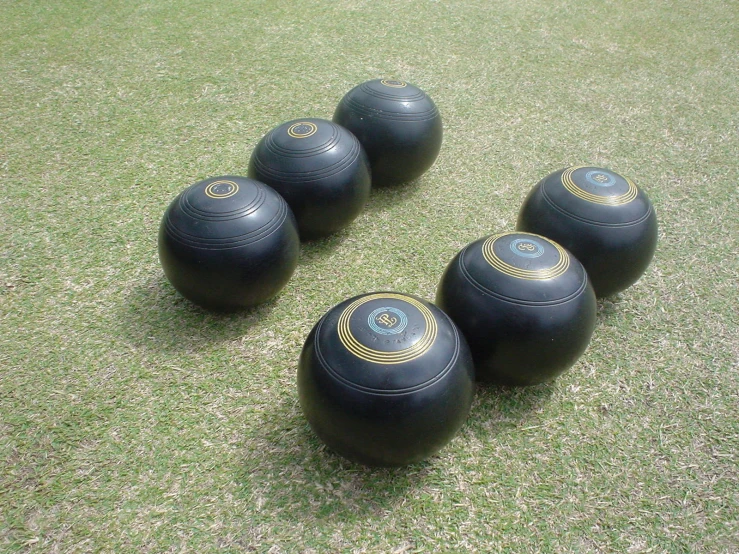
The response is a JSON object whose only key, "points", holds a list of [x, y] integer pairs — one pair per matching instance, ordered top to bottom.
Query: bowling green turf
{"points": [[131, 421]]}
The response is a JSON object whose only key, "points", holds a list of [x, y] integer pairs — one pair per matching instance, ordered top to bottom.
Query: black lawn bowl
{"points": [[397, 123], [319, 168], [604, 219], [228, 243], [524, 304], [385, 379]]}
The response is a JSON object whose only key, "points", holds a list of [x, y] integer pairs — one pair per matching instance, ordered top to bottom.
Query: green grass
{"points": [[131, 421]]}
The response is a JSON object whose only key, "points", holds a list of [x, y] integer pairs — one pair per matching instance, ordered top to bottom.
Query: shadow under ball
{"points": [[398, 125], [319, 168], [604, 219], [228, 243], [524, 304], [385, 379]]}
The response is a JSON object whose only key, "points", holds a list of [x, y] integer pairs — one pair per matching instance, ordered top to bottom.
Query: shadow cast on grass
{"points": [[383, 198], [310, 250], [609, 307], [155, 316], [500, 409], [293, 476], [293, 479]]}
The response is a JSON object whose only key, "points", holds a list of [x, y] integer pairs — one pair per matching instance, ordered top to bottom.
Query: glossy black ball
{"points": [[397, 123], [319, 168], [603, 218], [228, 242], [524, 304], [385, 379]]}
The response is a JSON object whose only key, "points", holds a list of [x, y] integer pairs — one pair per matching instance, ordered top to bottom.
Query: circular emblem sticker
{"points": [[393, 84], [302, 129], [600, 178], [221, 189], [527, 248], [388, 321]]}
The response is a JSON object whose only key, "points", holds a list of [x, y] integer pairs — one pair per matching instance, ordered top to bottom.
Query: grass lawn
{"points": [[132, 421]]}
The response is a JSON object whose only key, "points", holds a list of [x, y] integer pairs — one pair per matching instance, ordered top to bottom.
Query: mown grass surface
{"points": [[133, 421]]}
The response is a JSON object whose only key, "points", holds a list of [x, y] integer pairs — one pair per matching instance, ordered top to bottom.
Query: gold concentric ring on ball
{"points": [[394, 84], [311, 130], [572, 187], [210, 189], [496, 262], [378, 356]]}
